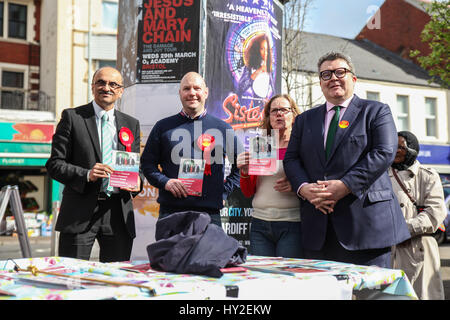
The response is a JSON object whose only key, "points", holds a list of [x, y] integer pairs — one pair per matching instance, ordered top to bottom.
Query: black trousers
{"points": [[108, 227], [334, 251]]}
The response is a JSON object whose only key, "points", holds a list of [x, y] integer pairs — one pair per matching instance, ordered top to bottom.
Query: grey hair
{"points": [[331, 56]]}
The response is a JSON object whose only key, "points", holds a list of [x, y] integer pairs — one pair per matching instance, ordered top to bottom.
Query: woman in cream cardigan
{"points": [[275, 228]]}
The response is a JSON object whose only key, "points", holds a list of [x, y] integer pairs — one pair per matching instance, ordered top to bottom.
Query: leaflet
{"points": [[263, 155], [126, 169], [191, 174]]}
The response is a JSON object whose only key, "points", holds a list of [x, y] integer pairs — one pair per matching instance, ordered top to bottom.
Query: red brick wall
{"points": [[401, 25], [14, 52], [20, 53], [25, 53]]}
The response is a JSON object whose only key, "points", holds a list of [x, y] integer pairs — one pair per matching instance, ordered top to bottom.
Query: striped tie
{"points": [[332, 131], [106, 150]]}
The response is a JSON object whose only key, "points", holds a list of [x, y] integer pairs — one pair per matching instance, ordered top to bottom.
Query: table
{"points": [[259, 278]]}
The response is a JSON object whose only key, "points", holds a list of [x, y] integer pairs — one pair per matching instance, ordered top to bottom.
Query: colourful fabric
{"points": [[250, 283]]}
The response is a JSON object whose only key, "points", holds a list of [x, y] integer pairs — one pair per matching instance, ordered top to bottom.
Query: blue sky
{"points": [[343, 18]]}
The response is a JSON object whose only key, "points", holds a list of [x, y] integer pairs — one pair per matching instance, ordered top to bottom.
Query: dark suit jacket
{"points": [[75, 150], [370, 216]]}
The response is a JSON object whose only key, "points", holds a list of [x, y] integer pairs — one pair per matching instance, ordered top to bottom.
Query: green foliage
{"points": [[436, 34]]}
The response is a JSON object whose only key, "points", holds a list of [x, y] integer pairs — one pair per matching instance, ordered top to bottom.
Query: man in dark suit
{"points": [[337, 160], [89, 210]]}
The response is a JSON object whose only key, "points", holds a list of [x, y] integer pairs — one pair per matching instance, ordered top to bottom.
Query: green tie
{"points": [[332, 131]]}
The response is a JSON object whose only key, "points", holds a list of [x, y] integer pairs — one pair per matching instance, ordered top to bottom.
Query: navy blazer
{"points": [[370, 216]]}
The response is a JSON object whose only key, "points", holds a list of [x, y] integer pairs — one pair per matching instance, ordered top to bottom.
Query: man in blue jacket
{"points": [[191, 134], [337, 160]]}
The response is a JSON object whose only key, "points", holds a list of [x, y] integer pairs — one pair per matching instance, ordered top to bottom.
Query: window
{"points": [[110, 12], [1, 19], [17, 21], [106, 63], [12, 93], [371, 95], [402, 113], [430, 117]]}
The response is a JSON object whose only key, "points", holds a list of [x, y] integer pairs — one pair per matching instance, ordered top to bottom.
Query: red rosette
{"points": [[126, 138], [206, 143]]}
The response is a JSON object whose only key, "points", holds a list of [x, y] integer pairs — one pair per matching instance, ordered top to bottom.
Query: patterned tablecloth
{"points": [[258, 278]]}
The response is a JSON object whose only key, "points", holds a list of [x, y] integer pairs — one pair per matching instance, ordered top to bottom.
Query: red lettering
{"points": [[156, 3], [168, 3], [148, 14], [171, 24], [149, 25], [161, 25], [169, 36], [154, 66], [242, 113], [239, 116]]}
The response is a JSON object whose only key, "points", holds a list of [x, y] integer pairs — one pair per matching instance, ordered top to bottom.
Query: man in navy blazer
{"points": [[348, 209]]}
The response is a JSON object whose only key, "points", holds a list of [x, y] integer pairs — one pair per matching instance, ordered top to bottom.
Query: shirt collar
{"points": [[343, 105], [99, 111], [184, 114], [414, 168]]}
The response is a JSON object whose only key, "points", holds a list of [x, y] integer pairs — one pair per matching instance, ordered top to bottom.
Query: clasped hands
{"points": [[100, 171], [324, 194]]}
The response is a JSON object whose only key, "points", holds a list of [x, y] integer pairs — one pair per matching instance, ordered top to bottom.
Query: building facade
{"points": [[401, 23], [77, 38], [50, 50], [416, 105], [27, 112]]}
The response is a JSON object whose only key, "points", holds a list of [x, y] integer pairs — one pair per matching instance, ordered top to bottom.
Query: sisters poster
{"points": [[243, 58]]}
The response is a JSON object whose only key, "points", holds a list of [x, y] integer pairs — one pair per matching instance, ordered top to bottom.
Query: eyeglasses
{"points": [[339, 73], [112, 85], [281, 110]]}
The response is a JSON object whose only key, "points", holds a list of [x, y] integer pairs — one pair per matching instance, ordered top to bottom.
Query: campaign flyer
{"points": [[263, 156], [126, 169], [191, 174]]}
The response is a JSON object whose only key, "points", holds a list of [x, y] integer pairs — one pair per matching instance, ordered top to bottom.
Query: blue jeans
{"points": [[276, 238]]}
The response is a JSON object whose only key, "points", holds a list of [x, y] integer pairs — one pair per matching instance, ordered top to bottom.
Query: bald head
{"points": [[108, 69], [192, 76], [193, 93]]}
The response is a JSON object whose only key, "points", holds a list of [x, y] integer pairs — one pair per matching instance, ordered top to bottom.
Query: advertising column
{"points": [[168, 40], [158, 42], [243, 71]]}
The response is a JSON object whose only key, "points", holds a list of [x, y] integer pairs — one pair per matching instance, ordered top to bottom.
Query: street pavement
{"points": [[41, 247]]}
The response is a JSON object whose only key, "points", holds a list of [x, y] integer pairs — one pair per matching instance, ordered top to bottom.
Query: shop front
{"points": [[24, 150], [438, 158]]}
